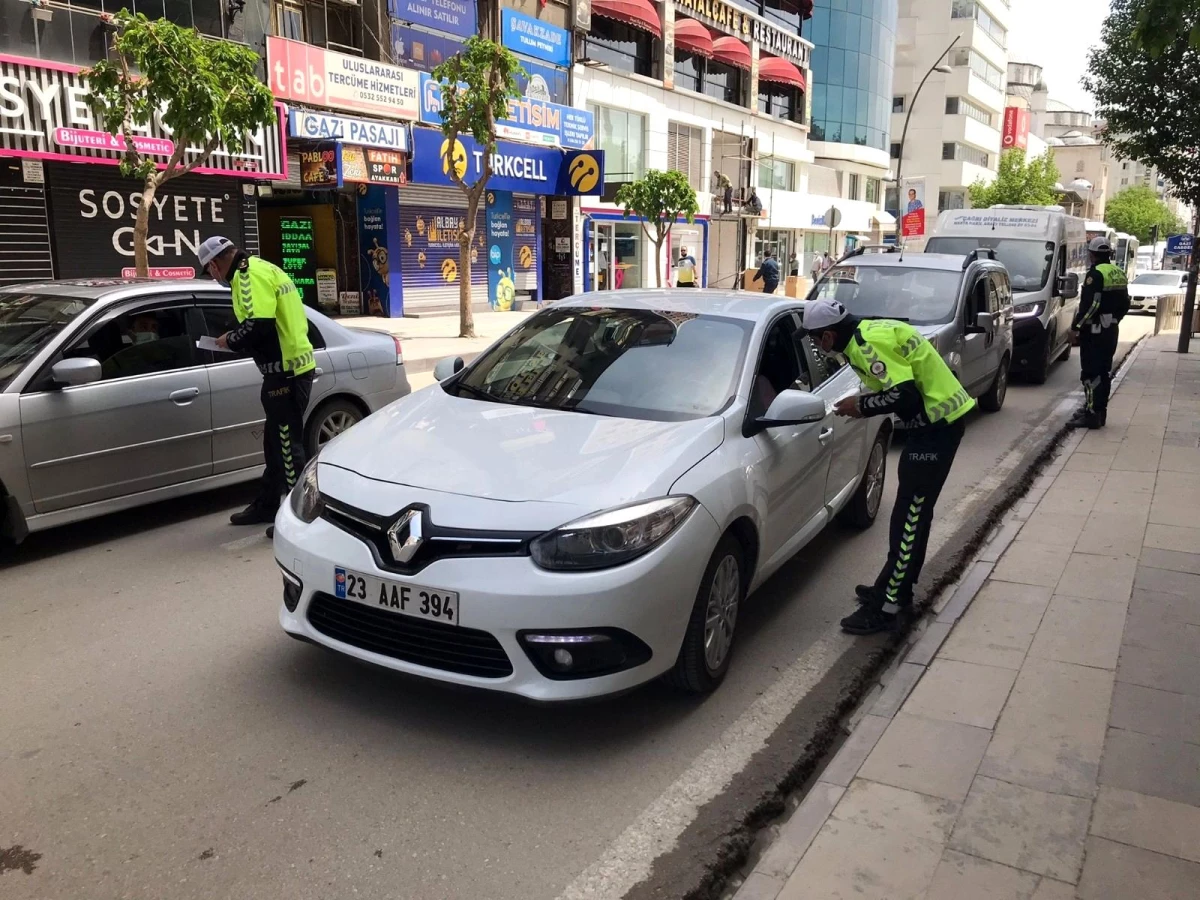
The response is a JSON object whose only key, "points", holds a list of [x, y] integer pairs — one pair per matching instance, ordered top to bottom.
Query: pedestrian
{"points": [[725, 190], [753, 205], [826, 262], [794, 265], [817, 267], [685, 269], [768, 273], [1103, 303], [273, 329], [907, 378]]}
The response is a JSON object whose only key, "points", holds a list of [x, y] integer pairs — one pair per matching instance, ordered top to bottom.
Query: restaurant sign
{"points": [[749, 27]]}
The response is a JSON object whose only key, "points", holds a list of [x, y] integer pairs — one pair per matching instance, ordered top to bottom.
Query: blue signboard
{"points": [[453, 16], [533, 37], [530, 121], [319, 126], [515, 167], [1179, 245], [379, 251], [502, 289]]}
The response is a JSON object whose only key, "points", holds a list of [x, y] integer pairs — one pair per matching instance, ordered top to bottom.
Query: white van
{"points": [[1045, 252]]}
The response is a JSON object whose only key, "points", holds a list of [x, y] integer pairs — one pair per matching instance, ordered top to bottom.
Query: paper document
{"points": [[208, 343]]}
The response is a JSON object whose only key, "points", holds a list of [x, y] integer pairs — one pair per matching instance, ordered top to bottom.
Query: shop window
{"points": [[621, 46], [689, 71], [725, 82], [783, 101], [621, 134], [685, 149], [777, 174], [779, 242]]}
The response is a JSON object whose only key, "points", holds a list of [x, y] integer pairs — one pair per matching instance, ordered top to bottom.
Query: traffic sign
{"points": [[1180, 244]]}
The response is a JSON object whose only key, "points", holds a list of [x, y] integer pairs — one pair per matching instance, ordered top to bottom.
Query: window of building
{"points": [[970, 9], [786, 13], [289, 21], [621, 46], [964, 56], [689, 71], [725, 82], [783, 101], [897, 104], [960, 106], [621, 134], [685, 148], [894, 151], [965, 153], [777, 174], [854, 182], [1124, 182], [873, 185], [891, 199], [952, 200], [777, 241]]}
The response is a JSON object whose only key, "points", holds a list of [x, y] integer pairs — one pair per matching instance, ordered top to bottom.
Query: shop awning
{"points": [[641, 14], [693, 37], [731, 51], [780, 71], [883, 219]]}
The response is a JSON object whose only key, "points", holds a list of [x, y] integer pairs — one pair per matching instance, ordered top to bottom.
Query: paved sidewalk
{"points": [[1041, 739]]}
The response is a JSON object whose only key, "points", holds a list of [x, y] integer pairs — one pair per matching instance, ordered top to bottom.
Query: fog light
{"points": [[292, 588], [583, 654], [563, 658]]}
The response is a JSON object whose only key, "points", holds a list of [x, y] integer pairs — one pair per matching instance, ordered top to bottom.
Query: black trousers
{"points": [[1096, 352], [284, 400], [924, 466]]}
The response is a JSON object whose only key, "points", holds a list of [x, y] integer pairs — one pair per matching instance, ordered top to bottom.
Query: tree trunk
{"points": [[141, 225], [1189, 301], [466, 318]]}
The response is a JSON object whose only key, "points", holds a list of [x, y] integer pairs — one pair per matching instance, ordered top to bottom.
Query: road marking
{"points": [[243, 543]]}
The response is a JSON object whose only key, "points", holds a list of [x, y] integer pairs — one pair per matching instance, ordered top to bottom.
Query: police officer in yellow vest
{"points": [[1103, 301], [273, 329], [908, 378]]}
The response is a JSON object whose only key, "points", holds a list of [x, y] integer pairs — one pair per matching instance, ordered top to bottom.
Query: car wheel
{"points": [[1066, 352], [1039, 374], [993, 400], [329, 420], [863, 507], [708, 643]]}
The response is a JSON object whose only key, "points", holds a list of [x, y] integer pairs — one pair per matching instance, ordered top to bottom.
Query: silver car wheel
{"points": [[1001, 384], [334, 424], [876, 466], [720, 617]]}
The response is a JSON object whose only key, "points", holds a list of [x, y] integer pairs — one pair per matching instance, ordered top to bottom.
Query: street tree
{"points": [[1161, 23], [477, 83], [206, 93], [1148, 104], [1019, 181], [659, 199], [1136, 210]]}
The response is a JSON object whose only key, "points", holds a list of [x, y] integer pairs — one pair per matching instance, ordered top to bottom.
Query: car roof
{"points": [[946, 262], [108, 290], [746, 305]]}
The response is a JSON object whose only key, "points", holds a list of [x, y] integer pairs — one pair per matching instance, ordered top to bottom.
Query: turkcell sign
{"points": [[533, 37], [529, 121], [314, 126]]}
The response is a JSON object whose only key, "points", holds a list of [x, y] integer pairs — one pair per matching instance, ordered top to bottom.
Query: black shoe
{"points": [[1103, 418], [1085, 419], [254, 514], [271, 532], [866, 593], [873, 620]]}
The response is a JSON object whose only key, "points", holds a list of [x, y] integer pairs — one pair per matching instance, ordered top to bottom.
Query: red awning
{"points": [[806, 8], [641, 14], [693, 37], [732, 51], [780, 71]]}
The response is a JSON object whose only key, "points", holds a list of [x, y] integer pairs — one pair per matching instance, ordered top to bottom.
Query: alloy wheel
{"points": [[334, 424], [876, 467], [720, 617]]}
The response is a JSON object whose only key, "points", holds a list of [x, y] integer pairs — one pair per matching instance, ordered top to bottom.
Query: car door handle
{"points": [[184, 397], [825, 436]]}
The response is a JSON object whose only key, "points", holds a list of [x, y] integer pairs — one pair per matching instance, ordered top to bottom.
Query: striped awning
{"points": [[641, 14]]}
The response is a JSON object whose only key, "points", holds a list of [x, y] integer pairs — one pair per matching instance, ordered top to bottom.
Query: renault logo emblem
{"points": [[404, 536]]}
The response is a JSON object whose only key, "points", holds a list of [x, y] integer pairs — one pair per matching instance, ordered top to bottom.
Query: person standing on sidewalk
{"points": [[768, 273], [1104, 301], [273, 329], [907, 378]]}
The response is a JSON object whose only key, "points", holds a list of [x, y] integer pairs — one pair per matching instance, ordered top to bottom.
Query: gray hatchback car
{"points": [[106, 403]]}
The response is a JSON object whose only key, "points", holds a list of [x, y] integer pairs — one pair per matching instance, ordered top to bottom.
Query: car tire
{"points": [[1066, 352], [1041, 372], [993, 400], [329, 420], [863, 507], [701, 665]]}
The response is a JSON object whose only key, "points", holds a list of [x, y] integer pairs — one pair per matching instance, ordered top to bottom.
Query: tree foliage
{"points": [[1161, 23], [477, 83], [206, 93], [1019, 181], [659, 199], [1136, 210]]}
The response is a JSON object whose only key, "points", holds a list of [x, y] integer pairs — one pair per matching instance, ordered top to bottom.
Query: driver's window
{"points": [[980, 299], [140, 342], [780, 368]]}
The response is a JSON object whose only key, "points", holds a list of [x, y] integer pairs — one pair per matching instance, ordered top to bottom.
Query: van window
{"points": [[1029, 263]]}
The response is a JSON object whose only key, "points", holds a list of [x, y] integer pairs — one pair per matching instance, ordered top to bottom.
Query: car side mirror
{"points": [[1068, 286], [985, 323], [447, 367], [74, 372], [793, 408]]}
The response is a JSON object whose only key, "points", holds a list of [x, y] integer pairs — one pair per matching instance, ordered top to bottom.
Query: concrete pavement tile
{"points": [[1104, 438], [1137, 457], [1180, 459], [1090, 462], [1129, 483], [1072, 497], [1174, 506], [1053, 529], [1115, 532], [1172, 537], [1000, 541], [1171, 560], [1026, 562], [1095, 577], [1165, 581], [966, 591], [1176, 606], [999, 626], [1084, 632], [1151, 632], [931, 641], [1165, 670], [896, 691], [961, 692], [1160, 713], [1051, 734], [852, 754], [927, 756], [1157, 766], [881, 806], [1148, 822], [1024, 828], [797, 833], [857, 862], [1119, 872], [959, 877], [759, 887], [1049, 889]]}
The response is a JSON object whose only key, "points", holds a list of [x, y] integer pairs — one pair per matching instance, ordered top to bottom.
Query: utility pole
{"points": [[936, 67], [1189, 302]]}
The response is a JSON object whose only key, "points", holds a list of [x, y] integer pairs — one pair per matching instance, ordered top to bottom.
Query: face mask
{"points": [[144, 337]]}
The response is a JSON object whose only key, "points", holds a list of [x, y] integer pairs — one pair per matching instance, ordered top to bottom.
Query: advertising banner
{"points": [[453, 16], [533, 37], [303, 73], [529, 121], [317, 126], [1016, 128], [370, 165], [319, 167], [515, 167], [912, 201], [526, 239], [299, 245], [430, 246], [378, 247], [502, 290]]}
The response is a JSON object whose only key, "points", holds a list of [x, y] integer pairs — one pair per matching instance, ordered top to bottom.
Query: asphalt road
{"points": [[162, 738]]}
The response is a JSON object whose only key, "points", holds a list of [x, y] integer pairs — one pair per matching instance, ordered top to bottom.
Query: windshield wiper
{"points": [[478, 392]]}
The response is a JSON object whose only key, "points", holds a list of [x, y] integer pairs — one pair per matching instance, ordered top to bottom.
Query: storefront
{"points": [[69, 213], [619, 255]]}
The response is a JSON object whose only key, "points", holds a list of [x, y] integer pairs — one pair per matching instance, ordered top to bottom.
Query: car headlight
{"points": [[1027, 310], [306, 495], [612, 537]]}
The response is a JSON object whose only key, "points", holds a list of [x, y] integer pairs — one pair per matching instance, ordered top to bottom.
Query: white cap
{"points": [[1100, 245], [212, 248], [822, 314]]}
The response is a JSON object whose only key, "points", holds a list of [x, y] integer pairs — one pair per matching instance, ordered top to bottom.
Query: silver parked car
{"points": [[106, 403]]}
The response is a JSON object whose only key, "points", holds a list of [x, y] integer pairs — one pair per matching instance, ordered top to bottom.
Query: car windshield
{"points": [[1029, 263], [1159, 279], [919, 296], [27, 323], [631, 363]]}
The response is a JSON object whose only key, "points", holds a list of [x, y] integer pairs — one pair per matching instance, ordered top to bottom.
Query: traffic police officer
{"points": [[1104, 300], [273, 329], [907, 378]]}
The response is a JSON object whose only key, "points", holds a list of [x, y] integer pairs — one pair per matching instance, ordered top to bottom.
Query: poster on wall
{"points": [[453, 16], [319, 167], [912, 222], [526, 241], [299, 245], [429, 247], [374, 251], [502, 290], [327, 292]]}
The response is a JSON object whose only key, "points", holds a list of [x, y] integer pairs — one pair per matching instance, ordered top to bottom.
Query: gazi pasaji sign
{"points": [[748, 27], [44, 114]]}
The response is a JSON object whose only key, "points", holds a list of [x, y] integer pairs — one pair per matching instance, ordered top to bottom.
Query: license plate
{"points": [[405, 599]]}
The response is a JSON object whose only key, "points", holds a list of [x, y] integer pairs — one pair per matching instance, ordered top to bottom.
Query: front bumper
{"points": [[1029, 344], [650, 598]]}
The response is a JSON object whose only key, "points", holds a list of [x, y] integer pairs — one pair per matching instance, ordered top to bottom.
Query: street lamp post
{"points": [[936, 67]]}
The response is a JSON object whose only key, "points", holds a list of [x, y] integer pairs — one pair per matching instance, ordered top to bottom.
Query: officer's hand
{"points": [[1074, 337], [223, 341], [848, 408]]}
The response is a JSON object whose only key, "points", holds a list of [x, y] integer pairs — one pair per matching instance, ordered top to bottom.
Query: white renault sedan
{"points": [[587, 505]]}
